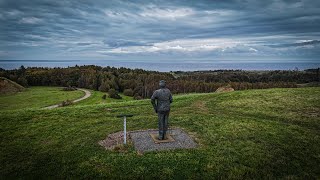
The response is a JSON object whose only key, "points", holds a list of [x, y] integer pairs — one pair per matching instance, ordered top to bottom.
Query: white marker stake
{"points": [[124, 129]]}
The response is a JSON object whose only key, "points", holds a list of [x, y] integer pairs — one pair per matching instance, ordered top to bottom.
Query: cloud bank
{"points": [[160, 30]]}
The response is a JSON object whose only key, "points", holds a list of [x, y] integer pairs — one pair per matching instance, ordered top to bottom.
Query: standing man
{"points": [[161, 100]]}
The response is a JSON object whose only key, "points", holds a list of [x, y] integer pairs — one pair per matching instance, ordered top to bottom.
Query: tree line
{"points": [[141, 83]]}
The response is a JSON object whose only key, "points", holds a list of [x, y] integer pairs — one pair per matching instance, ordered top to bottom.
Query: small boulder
{"points": [[224, 89]]}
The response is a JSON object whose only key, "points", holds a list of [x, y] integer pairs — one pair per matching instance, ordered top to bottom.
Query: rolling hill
{"points": [[9, 87], [273, 133]]}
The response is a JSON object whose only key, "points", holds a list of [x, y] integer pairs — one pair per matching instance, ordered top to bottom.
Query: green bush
{"points": [[22, 81], [104, 87], [69, 88], [128, 92], [114, 94], [137, 96]]}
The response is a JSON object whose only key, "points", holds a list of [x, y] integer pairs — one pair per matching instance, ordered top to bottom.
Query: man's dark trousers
{"points": [[163, 123]]}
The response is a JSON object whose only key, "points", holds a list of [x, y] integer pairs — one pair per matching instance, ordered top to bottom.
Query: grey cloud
{"points": [[61, 25], [313, 42], [123, 43], [84, 44]]}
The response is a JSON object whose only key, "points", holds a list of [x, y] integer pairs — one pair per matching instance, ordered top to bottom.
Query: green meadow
{"points": [[37, 97], [96, 98], [252, 134]]}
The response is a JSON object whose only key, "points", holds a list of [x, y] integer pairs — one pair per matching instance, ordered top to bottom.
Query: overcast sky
{"points": [[264, 31]]}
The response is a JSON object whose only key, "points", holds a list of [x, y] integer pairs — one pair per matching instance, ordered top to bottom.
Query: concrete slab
{"points": [[156, 140], [143, 141]]}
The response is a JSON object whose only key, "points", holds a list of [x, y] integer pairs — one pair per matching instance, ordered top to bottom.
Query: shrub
{"points": [[22, 81], [104, 87], [69, 88], [128, 92], [114, 94], [104, 96], [137, 96], [66, 103]]}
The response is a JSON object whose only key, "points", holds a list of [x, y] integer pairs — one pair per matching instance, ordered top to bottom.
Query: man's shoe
{"points": [[161, 137]]}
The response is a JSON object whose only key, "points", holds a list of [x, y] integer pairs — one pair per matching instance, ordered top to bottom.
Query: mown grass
{"points": [[36, 97], [96, 98], [256, 134]]}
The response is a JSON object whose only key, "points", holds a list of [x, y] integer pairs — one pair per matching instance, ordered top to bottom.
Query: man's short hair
{"points": [[162, 83]]}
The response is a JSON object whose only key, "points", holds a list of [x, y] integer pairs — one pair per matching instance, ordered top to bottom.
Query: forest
{"points": [[141, 83]]}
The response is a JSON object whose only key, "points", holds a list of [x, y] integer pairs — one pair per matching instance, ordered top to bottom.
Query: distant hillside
{"points": [[142, 83], [9, 87]]}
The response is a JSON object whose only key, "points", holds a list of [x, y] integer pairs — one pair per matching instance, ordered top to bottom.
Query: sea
{"points": [[162, 66]]}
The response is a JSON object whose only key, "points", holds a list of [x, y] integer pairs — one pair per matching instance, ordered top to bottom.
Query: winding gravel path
{"points": [[88, 94]]}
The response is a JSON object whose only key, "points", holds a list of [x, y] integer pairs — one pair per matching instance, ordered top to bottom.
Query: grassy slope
{"points": [[9, 87], [36, 97], [244, 134]]}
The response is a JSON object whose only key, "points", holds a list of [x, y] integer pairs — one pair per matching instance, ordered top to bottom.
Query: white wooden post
{"points": [[124, 126]]}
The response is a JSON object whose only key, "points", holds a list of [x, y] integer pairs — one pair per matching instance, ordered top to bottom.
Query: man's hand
{"points": [[153, 102]]}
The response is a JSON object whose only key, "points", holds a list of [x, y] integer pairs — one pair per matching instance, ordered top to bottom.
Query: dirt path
{"points": [[87, 94]]}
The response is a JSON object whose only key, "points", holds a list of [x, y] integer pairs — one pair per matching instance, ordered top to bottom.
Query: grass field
{"points": [[36, 97], [96, 98], [254, 134]]}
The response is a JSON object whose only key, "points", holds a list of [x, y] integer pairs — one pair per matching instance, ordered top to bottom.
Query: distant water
{"points": [[159, 66]]}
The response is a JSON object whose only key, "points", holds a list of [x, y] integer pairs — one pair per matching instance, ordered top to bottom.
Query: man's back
{"points": [[164, 98]]}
